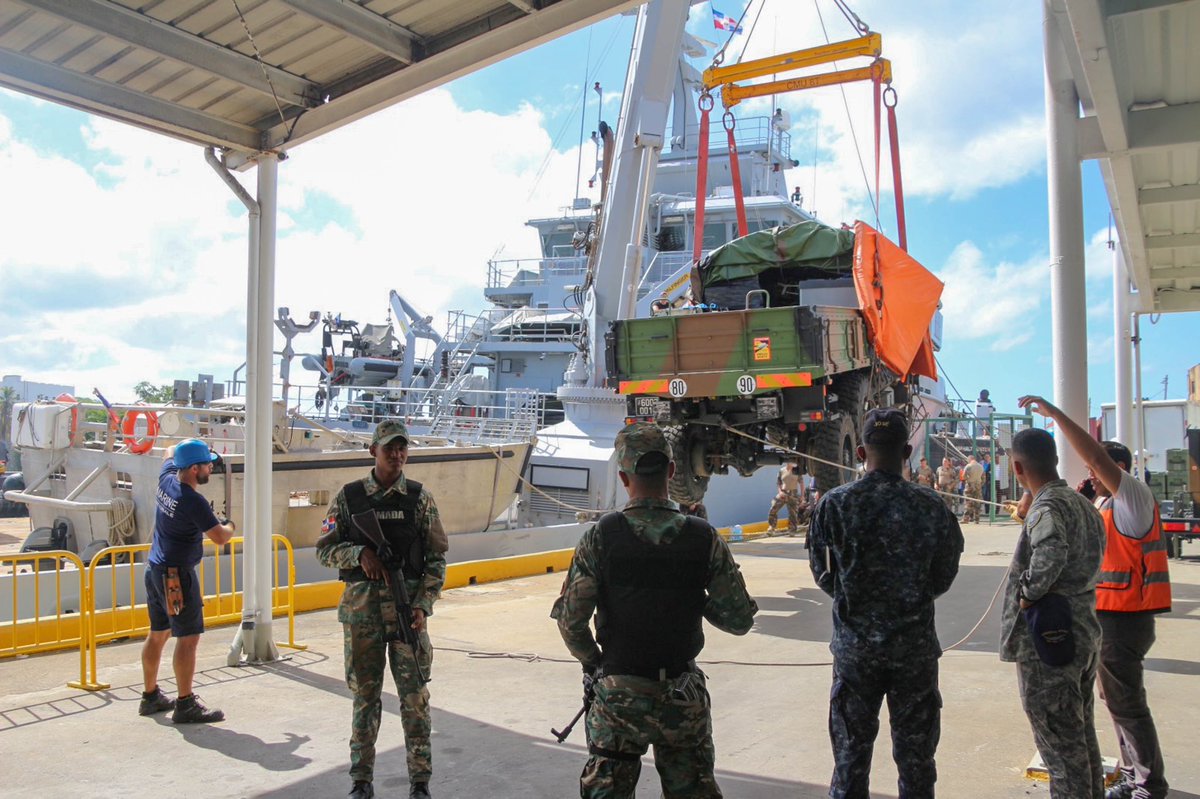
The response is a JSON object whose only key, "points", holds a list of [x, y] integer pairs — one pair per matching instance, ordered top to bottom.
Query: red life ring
{"points": [[66, 399], [139, 445]]}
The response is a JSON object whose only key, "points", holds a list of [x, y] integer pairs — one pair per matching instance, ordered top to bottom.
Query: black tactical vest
{"points": [[397, 516], [651, 597]]}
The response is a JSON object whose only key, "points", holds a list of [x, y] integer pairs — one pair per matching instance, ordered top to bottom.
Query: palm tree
{"points": [[8, 397]]}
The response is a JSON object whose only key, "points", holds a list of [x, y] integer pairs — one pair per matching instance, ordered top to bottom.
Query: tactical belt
{"points": [[649, 673]]}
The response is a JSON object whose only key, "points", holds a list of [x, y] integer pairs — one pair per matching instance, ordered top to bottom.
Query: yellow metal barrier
{"points": [[126, 618], [57, 629]]}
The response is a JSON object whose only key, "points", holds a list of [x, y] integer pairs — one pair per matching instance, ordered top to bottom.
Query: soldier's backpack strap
{"points": [[697, 526]]}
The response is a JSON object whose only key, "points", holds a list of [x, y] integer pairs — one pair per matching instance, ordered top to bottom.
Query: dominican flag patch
{"points": [[724, 23], [329, 525]]}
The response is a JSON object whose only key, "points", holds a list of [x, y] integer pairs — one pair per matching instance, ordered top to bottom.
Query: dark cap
{"points": [[885, 427], [385, 432], [642, 448]]}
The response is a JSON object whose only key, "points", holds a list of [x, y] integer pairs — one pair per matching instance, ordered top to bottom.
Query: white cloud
{"points": [[142, 260], [992, 301]]}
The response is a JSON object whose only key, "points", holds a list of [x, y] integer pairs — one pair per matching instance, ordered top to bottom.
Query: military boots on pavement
{"points": [[362, 790], [419, 790]]}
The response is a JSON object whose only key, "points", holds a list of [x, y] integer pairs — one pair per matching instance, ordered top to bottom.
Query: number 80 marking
{"points": [[677, 387]]}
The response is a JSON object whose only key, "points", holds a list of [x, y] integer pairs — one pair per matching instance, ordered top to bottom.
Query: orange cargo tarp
{"points": [[898, 298]]}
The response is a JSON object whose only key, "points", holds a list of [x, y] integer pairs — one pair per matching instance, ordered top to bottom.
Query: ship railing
{"points": [[749, 132], [532, 272], [356, 410], [53, 585]]}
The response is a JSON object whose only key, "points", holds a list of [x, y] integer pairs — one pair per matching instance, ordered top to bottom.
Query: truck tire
{"points": [[836, 441], [686, 487]]}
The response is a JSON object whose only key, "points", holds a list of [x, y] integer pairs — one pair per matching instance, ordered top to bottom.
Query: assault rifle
{"points": [[368, 525], [589, 693]]}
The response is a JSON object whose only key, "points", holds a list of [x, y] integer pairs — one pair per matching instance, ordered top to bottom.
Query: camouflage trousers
{"points": [[973, 493], [948, 495], [792, 500], [366, 654], [1059, 703], [914, 706], [630, 714]]}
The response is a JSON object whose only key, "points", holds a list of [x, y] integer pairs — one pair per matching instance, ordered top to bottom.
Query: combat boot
{"points": [[155, 702], [190, 710], [362, 790], [419, 790], [1121, 790]]}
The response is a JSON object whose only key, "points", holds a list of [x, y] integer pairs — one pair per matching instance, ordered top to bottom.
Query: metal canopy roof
{"points": [[1137, 71], [263, 75]]}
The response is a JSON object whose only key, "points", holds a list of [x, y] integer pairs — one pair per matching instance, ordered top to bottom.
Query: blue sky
{"points": [[124, 255]]}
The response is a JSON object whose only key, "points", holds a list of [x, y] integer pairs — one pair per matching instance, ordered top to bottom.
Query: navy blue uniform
{"points": [[884, 549]]}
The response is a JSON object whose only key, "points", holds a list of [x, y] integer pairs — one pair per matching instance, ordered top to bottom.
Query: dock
{"points": [[502, 679]]}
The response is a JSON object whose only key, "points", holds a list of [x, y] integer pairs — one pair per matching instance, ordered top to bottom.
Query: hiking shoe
{"points": [[155, 702], [190, 710], [362, 790], [419, 790], [1121, 790]]}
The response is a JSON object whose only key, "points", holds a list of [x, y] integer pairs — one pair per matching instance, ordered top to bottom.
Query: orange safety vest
{"points": [[1133, 576]]}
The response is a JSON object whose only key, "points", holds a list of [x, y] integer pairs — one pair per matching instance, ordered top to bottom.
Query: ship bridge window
{"points": [[755, 225], [715, 234], [670, 238], [557, 243]]}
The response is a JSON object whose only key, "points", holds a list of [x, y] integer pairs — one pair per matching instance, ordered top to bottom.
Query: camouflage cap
{"points": [[885, 427], [389, 430], [635, 445]]}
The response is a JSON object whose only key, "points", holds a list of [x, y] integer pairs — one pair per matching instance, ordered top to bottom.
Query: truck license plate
{"points": [[652, 407], [766, 407]]}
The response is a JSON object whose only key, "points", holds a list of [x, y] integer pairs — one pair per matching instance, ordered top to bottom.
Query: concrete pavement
{"points": [[501, 680]]}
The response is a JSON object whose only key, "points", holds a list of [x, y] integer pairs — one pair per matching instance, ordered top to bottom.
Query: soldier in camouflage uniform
{"points": [[947, 480], [789, 484], [972, 489], [410, 521], [884, 548], [1059, 552], [649, 574]]}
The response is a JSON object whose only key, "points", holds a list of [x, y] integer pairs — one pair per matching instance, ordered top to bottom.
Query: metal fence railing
{"points": [[111, 599]]}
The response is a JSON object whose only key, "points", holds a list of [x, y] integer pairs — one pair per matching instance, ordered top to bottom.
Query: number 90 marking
{"points": [[746, 384], [677, 387]]}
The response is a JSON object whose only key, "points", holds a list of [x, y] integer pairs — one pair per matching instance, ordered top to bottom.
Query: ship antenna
{"points": [[582, 116]]}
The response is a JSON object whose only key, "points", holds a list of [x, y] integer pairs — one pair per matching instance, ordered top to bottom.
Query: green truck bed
{"points": [[734, 353]]}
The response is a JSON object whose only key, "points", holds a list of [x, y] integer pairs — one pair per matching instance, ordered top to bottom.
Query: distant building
{"points": [[29, 391]]}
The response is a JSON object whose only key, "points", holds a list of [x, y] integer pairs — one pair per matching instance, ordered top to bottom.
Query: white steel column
{"points": [[1068, 300], [1123, 391], [1139, 412], [254, 640]]}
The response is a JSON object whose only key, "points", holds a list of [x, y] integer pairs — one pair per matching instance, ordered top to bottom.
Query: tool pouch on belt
{"points": [[172, 591]]}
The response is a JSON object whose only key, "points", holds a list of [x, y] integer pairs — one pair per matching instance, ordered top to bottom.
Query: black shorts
{"points": [[190, 620]]}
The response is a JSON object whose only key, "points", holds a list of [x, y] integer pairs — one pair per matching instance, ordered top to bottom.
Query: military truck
{"points": [[812, 327]]}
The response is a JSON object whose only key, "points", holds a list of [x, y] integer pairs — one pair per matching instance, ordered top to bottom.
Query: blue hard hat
{"points": [[193, 451]]}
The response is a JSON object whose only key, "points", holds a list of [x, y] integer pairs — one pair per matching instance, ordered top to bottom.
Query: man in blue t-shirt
{"points": [[174, 598]]}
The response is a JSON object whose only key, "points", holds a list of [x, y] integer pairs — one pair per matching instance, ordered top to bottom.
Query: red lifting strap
{"points": [[876, 86], [735, 172], [701, 177], [897, 180]]}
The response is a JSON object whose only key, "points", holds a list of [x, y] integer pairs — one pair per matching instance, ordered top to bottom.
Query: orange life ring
{"points": [[66, 399], [139, 445]]}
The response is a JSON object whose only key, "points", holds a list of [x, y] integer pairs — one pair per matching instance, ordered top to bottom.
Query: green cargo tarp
{"points": [[805, 244]]}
